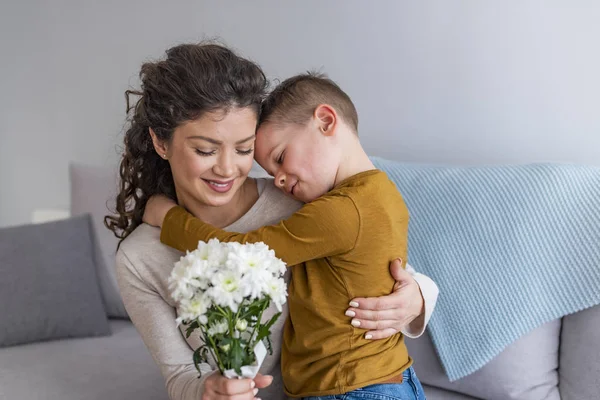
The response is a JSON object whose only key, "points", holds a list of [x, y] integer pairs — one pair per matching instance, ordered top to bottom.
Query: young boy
{"points": [[339, 244]]}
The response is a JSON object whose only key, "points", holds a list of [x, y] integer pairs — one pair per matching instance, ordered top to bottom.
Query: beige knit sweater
{"points": [[143, 267]]}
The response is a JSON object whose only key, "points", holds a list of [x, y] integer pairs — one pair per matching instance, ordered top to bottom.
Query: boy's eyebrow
{"points": [[214, 141]]}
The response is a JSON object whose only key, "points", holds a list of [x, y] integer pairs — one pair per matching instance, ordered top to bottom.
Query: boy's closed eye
{"points": [[279, 159]]}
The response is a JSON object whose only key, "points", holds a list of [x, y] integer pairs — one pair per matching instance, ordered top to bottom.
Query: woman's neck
{"points": [[225, 215]]}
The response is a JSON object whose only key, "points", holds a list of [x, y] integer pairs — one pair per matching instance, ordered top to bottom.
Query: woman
{"points": [[191, 138]]}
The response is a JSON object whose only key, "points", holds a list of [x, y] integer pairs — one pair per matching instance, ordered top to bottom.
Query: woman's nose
{"points": [[224, 166]]}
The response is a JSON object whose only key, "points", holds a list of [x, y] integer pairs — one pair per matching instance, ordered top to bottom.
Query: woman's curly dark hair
{"points": [[192, 80]]}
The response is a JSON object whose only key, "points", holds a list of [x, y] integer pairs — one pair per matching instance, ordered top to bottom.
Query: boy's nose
{"points": [[280, 180]]}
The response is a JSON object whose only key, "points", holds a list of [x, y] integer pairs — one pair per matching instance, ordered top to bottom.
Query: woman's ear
{"points": [[326, 118], [159, 145]]}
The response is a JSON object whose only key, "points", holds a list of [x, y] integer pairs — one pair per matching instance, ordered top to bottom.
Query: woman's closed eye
{"points": [[243, 152], [205, 153]]}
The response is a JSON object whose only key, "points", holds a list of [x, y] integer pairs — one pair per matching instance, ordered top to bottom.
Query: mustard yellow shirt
{"points": [[339, 246]]}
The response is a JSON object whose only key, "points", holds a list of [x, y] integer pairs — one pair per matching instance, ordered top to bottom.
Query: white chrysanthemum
{"points": [[214, 252], [249, 257], [276, 266], [226, 275], [180, 280], [254, 283], [226, 289], [277, 290], [195, 308], [218, 328]]}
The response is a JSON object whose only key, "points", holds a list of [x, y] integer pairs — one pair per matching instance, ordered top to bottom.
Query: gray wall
{"points": [[462, 82]]}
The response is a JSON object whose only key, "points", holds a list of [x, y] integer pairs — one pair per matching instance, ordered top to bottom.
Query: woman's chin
{"points": [[215, 198], [219, 200]]}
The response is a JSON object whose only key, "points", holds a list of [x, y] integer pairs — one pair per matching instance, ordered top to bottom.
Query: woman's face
{"points": [[211, 157]]}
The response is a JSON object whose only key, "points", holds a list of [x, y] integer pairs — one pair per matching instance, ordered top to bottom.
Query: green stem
{"points": [[223, 312], [237, 314], [245, 315], [258, 322], [212, 350], [215, 353]]}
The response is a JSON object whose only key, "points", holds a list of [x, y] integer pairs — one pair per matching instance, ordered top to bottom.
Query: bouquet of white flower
{"points": [[222, 290]]}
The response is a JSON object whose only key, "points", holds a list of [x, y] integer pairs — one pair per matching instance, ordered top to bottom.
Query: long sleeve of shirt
{"points": [[325, 227], [430, 292], [155, 321]]}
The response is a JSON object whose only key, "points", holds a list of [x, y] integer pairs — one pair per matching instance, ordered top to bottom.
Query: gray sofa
{"points": [[559, 360], [118, 367]]}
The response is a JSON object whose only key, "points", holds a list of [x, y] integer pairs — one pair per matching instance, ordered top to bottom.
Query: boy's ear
{"points": [[326, 119], [159, 145]]}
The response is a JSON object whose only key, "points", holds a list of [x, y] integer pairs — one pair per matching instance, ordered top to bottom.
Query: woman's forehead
{"points": [[231, 127]]}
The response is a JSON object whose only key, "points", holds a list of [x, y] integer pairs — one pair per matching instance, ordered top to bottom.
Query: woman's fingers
{"points": [[405, 288], [375, 303], [370, 315], [386, 315], [380, 325], [382, 334], [262, 381], [233, 386], [217, 387], [249, 395], [243, 396]]}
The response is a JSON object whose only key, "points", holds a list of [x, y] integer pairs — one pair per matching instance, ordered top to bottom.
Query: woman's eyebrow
{"points": [[210, 140], [245, 140], [214, 141]]}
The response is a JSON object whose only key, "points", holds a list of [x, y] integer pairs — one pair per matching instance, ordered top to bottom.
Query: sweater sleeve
{"points": [[325, 227], [430, 292], [154, 319]]}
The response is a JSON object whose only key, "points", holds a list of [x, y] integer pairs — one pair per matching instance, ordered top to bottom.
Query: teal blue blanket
{"points": [[510, 248]]}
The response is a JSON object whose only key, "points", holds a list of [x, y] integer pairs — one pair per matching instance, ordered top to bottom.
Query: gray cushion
{"points": [[93, 190], [49, 287], [580, 355], [117, 367], [525, 370], [433, 393]]}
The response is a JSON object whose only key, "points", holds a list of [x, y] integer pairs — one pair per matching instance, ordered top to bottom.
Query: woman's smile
{"points": [[219, 186]]}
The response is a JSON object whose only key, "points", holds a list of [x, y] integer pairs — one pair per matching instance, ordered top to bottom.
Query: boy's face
{"points": [[303, 160]]}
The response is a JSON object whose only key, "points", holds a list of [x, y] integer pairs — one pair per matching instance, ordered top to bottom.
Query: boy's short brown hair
{"points": [[295, 100]]}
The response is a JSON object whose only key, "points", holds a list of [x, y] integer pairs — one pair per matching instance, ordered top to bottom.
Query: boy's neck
{"points": [[354, 159]]}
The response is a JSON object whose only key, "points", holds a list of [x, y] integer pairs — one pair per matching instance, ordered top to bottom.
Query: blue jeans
{"points": [[409, 389]]}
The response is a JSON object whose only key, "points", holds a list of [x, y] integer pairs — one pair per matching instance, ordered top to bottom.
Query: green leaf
{"points": [[255, 308], [272, 320], [191, 328], [264, 330], [269, 345], [237, 356], [200, 357], [249, 357]]}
